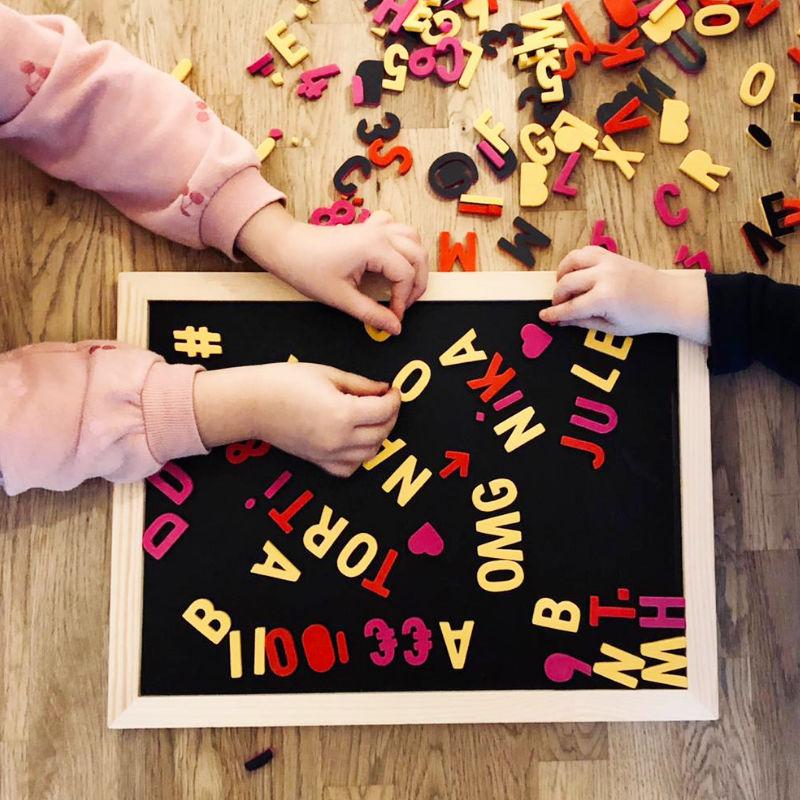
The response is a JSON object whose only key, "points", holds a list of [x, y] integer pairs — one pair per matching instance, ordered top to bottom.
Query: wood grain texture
{"points": [[61, 251]]}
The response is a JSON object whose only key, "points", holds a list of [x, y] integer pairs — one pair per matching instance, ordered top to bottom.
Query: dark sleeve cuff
{"points": [[729, 320]]}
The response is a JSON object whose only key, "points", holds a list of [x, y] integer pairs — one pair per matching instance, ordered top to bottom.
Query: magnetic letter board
{"points": [[533, 542]]}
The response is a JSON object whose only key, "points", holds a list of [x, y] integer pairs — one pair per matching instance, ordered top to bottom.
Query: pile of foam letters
{"points": [[551, 43]]}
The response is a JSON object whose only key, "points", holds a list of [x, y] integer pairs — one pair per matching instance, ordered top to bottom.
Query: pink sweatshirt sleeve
{"points": [[96, 115], [69, 412]]}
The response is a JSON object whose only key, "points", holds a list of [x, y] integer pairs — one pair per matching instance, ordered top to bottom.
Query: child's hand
{"points": [[328, 263], [610, 293], [334, 419]]}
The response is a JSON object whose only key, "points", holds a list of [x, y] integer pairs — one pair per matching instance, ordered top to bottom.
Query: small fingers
{"points": [[379, 218], [407, 231], [415, 254], [580, 259], [419, 260], [396, 268], [574, 284], [581, 307], [370, 311], [595, 323], [358, 385], [376, 412], [365, 438], [345, 463]]}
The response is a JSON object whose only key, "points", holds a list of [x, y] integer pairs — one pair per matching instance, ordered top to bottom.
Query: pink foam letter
{"points": [[561, 185], [659, 201], [599, 239], [599, 408], [178, 494], [179, 527], [661, 618], [560, 668]]}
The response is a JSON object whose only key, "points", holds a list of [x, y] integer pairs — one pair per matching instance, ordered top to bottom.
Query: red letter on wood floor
{"points": [[465, 253]]}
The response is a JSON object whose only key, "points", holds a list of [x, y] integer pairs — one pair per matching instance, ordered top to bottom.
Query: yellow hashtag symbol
{"points": [[197, 342]]}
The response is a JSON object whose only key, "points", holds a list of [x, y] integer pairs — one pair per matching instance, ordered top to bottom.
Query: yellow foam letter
{"points": [[607, 346], [462, 351], [405, 373], [520, 432], [409, 484], [503, 489], [495, 526], [319, 538], [343, 561], [276, 565], [496, 585], [547, 613], [203, 617], [457, 642], [235, 649], [615, 670], [660, 673]]}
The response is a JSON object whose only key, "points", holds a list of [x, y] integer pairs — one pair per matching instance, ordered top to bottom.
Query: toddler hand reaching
{"points": [[328, 263], [610, 293], [743, 317], [334, 419]]}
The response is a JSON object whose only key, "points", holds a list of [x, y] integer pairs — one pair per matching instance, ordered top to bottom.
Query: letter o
{"points": [[718, 10], [746, 88], [402, 378], [371, 549], [500, 584], [318, 648], [283, 668]]}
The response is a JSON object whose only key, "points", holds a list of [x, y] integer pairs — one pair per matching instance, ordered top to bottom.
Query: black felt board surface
{"points": [[585, 532]]}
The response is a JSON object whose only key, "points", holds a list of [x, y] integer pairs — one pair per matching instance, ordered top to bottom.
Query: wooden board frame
{"points": [[128, 709]]}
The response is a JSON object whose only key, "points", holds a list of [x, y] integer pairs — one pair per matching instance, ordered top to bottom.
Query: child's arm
{"points": [[96, 115], [743, 317], [753, 318], [94, 409], [69, 412], [334, 419]]}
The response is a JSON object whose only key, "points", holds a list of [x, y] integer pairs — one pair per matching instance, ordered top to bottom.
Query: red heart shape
{"points": [[534, 340], [426, 541]]}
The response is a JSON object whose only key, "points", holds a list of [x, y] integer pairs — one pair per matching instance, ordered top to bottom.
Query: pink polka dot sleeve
{"points": [[96, 115]]}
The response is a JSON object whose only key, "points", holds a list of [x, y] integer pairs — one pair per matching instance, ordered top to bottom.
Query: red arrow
{"points": [[458, 461]]}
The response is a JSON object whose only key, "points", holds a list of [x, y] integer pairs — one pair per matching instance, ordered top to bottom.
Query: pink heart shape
{"points": [[534, 340], [426, 541]]}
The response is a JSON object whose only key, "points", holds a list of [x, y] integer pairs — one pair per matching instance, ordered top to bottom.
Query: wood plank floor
{"points": [[60, 253]]}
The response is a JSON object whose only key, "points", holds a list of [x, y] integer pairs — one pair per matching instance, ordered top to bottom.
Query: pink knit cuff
{"points": [[234, 203], [168, 407]]}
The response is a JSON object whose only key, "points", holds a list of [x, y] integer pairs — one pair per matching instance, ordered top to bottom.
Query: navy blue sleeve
{"points": [[753, 318]]}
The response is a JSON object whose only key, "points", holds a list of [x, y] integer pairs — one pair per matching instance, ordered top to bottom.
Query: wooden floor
{"points": [[60, 252]]}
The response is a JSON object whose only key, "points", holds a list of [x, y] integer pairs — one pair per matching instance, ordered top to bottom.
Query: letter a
{"points": [[462, 351], [276, 565], [457, 642]]}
